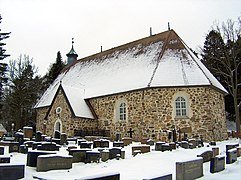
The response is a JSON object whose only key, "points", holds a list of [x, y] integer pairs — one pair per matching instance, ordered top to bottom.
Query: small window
{"points": [[181, 107], [122, 111]]}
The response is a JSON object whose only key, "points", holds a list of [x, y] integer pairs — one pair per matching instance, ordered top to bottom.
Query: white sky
{"points": [[40, 28]]}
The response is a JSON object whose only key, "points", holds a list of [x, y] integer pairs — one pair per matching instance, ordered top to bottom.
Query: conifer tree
{"points": [[3, 66]]}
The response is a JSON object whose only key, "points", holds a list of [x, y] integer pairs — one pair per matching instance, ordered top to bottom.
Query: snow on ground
{"points": [[139, 167]]}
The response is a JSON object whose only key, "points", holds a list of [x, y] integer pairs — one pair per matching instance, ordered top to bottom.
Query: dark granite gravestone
{"points": [[57, 134], [38, 136], [19, 137], [118, 137], [11, 139], [63, 139], [72, 139], [55, 140], [144, 140], [79, 141], [150, 142], [193, 142], [28, 143], [101, 143], [213, 143], [118, 144], [184, 144], [35, 145], [86, 145], [173, 145], [48, 146], [158, 146], [231, 146], [13, 147], [166, 147], [23, 149], [1, 150], [114, 153], [33, 155], [79, 155], [207, 155], [92, 156], [231, 156], [4, 159], [53, 162], [217, 164], [188, 170], [11, 172], [105, 176], [161, 177]]}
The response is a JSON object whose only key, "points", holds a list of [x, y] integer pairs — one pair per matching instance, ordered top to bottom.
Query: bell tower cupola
{"points": [[72, 55]]}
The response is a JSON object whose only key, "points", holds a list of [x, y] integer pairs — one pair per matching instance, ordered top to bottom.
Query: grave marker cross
{"points": [[130, 132]]}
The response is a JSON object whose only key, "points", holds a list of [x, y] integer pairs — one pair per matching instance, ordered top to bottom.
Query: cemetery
{"points": [[42, 155]]}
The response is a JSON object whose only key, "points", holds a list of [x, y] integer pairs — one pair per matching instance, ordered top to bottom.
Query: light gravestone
{"points": [[28, 132], [231, 156], [53, 162], [190, 169]]}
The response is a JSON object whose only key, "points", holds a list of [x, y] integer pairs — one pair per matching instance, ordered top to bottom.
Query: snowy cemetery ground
{"points": [[141, 166]]}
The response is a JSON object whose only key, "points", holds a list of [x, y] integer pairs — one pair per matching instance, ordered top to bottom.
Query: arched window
{"points": [[181, 106], [122, 111], [58, 126]]}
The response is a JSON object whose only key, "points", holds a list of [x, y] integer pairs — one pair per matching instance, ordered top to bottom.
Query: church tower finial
{"points": [[72, 55]]}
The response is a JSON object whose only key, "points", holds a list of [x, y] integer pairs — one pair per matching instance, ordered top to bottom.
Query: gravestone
{"points": [[28, 132], [57, 134], [38, 136], [19, 137], [118, 137], [63, 139], [126, 140], [144, 140], [79, 141], [150, 142], [193, 142], [28, 143], [101, 143], [213, 143], [118, 144], [184, 144], [35, 145], [86, 145], [173, 145], [48, 146], [158, 146], [231, 146], [13, 147], [166, 147], [23, 149], [140, 149], [1, 150], [215, 151], [238, 151], [114, 153], [78, 154], [105, 154], [207, 155], [33, 156], [92, 156], [231, 156], [4, 159], [53, 162], [217, 164], [187, 170], [12, 172]]}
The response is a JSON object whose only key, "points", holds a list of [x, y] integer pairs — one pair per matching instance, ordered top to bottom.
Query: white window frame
{"points": [[185, 96], [181, 106], [121, 111]]}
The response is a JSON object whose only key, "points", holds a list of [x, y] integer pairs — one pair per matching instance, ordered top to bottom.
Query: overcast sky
{"points": [[41, 28]]}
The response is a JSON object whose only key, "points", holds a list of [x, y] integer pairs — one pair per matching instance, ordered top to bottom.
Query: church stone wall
{"points": [[151, 113], [69, 123]]}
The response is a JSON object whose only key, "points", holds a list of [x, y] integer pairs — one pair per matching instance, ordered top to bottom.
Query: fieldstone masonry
{"points": [[149, 111]]}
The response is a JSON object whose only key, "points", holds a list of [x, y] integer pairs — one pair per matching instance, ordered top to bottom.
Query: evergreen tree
{"points": [[221, 55], [3, 66], [54, 71], [23, 92]]}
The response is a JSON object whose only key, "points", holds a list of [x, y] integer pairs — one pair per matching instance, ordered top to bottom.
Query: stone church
{"points": [[144, 88]]}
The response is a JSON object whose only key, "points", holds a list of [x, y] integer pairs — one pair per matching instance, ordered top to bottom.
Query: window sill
{"points": [[181, 117]]}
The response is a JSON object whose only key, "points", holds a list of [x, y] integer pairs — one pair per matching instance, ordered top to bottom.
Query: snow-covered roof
{"points": [[161, 60]]}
